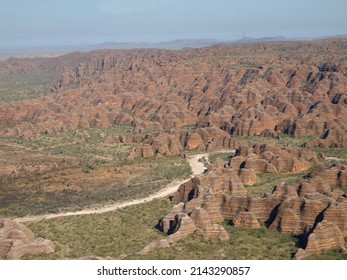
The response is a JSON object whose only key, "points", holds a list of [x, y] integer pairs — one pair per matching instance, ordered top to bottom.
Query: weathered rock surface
{"points": [[267, 89], [199, 99], [174, 142], [142, 150], [310, 208], [246, 220], [183, 225], [325, 236], [16, 240]]}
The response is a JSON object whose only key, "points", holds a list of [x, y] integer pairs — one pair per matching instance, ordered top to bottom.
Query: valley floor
{"points": [[196, 166]]}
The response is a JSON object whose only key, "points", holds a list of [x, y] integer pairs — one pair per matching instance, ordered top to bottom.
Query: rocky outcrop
{"points": [[55, 66], [268, 89], [199, 99], [174, 142], [142, 150], [248, 176], [237, 188], [310, 208], [246, 220], [183, 225], [324, 237], [16, 240]]}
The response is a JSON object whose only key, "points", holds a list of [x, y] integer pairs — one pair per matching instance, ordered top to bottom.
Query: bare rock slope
{"points": [[256, 89], [314, 208], [16, 240]]}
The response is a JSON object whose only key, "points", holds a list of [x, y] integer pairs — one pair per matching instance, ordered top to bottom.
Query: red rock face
{"points": [[265, 89], [198, 99], [175, 141], [142, 150], [265, 158], [309, 208], [246, 220], [182, 225], [325, 236], [16, 240]]}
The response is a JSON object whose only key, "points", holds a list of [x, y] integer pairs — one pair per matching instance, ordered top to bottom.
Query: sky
{"points": [[80, 22]]}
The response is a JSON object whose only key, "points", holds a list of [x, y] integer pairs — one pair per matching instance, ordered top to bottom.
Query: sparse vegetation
{"points": [[16, 87], [241, 89], [282, 140], [339, 153], [223, 155], [204, 161], [168, 168], [88, 171], [266, 182], [89, 191], [128, 230], [124, 231], [243, 244], [334, 254]]}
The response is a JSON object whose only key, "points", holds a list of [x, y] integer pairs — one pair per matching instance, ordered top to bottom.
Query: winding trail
{"points": [[334, 158], [197, 168]]}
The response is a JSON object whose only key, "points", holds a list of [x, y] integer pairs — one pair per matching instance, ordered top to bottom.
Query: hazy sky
{"points": [[66, 22]]}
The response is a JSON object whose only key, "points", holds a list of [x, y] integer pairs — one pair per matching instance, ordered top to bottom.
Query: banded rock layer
{"points": [[256, 89], [314, 208]]}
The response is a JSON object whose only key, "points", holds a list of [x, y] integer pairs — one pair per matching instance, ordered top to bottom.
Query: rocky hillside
{"points": [[42, 65], [295, 88], [110, 107], [314, 208], [16, 240]]}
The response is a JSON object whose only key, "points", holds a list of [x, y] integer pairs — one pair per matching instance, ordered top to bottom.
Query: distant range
{"points": [[173, 45]]}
